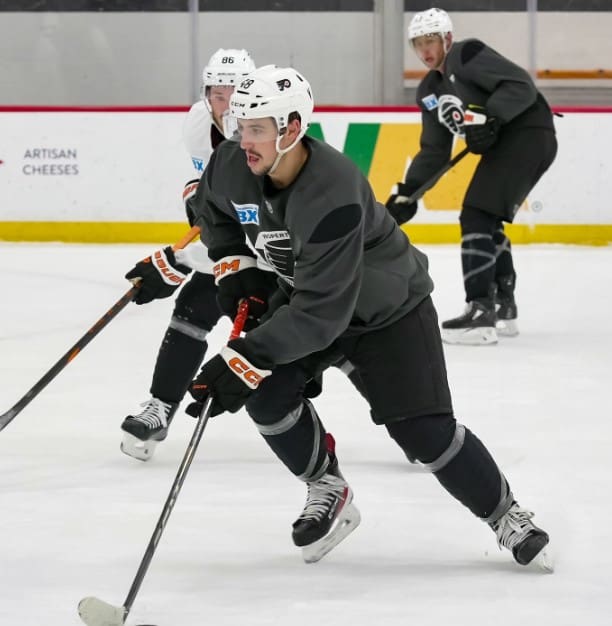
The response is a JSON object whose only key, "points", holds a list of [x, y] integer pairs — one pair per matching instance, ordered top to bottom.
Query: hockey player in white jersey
{"points": [[196, 309]]}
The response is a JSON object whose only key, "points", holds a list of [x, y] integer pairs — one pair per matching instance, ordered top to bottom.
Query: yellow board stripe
{"points": [[93, 232], [167, 232], [584, 234]]}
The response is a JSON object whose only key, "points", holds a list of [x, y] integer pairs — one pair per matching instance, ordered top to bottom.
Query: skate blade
{"points": [[506, 328], [483, 336], [136, 448], [346, 523], [543, 561], [96, 612]]}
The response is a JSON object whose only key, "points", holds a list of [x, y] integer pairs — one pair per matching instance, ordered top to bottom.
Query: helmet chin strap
{"points": [[281, 151]]}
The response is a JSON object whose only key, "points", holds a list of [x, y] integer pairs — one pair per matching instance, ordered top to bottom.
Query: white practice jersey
{"points": [[197, 130]]}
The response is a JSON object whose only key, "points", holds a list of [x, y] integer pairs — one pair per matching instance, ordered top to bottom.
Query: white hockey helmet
{"points": [[430, 22], [227, 67], [272, 91]]}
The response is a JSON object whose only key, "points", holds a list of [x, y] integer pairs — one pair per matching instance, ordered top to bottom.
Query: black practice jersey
{"points": [[475, 74], [338, 254]]}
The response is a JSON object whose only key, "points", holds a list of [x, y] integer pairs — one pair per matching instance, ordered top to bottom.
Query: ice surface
{"points": [[76, 514]]}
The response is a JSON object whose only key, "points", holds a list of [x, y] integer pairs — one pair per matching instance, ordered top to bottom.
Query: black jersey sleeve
{"points": [[510, 89], [436, 141], [435, 148]]}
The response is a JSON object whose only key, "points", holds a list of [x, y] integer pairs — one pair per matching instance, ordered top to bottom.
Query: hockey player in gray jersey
{"points": [[475, 92], [350, 283], [196, 310]]}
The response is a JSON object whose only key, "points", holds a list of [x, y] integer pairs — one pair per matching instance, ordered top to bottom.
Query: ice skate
{"points": [[505, 307], [505, 317], [476, 327], [144, 431], [329, 516], [522, 537]]}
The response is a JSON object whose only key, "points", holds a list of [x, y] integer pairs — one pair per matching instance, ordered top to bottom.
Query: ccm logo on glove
{"points": [[231, 265], [250, 375]]}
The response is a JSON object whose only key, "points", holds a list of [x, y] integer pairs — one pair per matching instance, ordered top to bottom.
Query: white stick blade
{"points": [[95, 612]]}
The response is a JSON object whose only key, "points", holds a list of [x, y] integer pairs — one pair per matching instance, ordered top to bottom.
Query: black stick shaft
{"points": [[426, 186], [11, 414], [179, 480], [168, 506]]}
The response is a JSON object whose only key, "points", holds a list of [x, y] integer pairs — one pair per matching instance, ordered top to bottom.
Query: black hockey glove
{"points": [[481, 131], [398, 204], [159, 275], [238, 278], [229, 377]]}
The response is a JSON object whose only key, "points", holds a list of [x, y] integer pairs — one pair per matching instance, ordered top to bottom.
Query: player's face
{"points": [[430, 50], [219, 97], [258, 140]]}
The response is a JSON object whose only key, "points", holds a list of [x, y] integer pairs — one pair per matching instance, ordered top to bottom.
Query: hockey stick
{"points": [[427, 185], [126, 298], [96, 612]]}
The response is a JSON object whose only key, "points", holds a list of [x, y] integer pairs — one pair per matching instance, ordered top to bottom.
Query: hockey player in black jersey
{"points": [[475, 92], [350, 283], [196, 309]]}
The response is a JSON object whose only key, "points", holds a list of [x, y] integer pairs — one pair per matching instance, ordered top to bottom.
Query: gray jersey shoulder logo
{"points": [[430, 101], [247, 213]]}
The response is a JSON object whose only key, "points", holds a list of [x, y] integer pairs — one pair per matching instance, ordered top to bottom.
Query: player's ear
{"points": [[293, 128]]}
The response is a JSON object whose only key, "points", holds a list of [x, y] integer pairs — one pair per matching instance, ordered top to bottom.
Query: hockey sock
{"points": [[478, 251], [503, 254], [478, 264], [178, 359], [298, 440], [458, 459], [468, 472]]}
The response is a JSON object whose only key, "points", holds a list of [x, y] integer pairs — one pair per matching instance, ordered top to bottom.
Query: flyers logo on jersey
{"points": [[450, 113], [247, 213]]}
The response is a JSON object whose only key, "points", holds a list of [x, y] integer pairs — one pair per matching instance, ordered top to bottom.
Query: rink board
{"points": [[116, 175]]}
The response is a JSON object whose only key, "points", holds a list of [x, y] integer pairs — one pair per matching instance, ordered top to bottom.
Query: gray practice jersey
{"points": [[475, 74], [339, 255]]}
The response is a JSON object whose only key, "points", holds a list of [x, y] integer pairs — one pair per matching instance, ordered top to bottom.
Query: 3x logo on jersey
{"points": [[247, 213]]}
